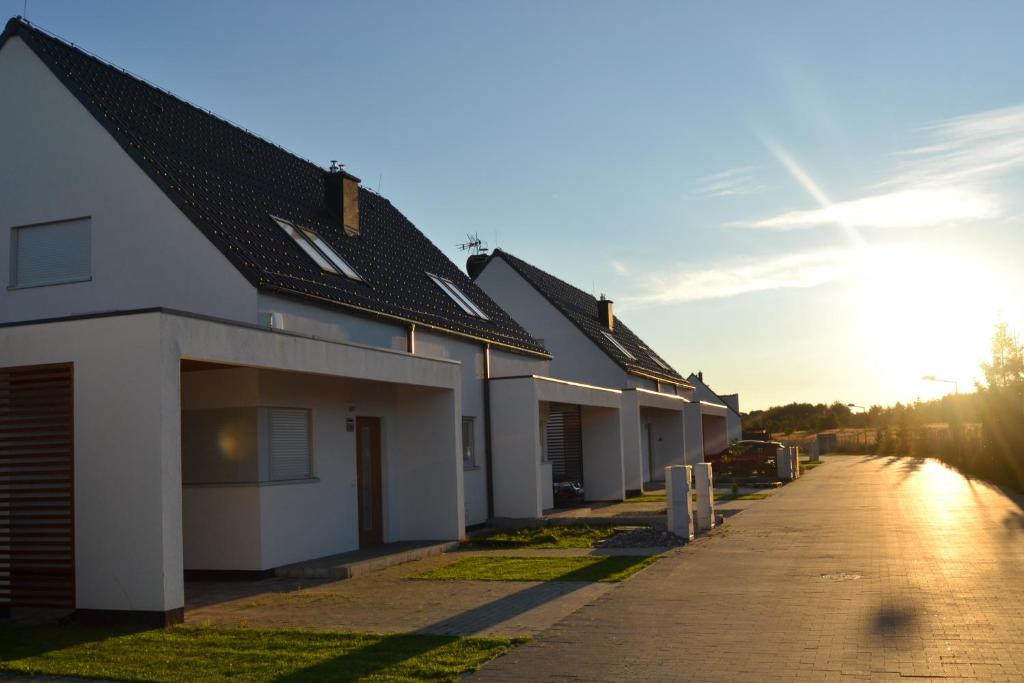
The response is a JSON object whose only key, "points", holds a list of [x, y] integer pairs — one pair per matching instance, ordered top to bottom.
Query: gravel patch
{"points": [[643, 537]]}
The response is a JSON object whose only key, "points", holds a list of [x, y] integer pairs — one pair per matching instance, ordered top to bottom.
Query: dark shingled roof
{"points": [[229, 182], [581, 308]]}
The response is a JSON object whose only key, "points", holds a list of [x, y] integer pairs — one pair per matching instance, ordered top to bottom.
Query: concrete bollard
{"points": [[815, 453], [795, 455], [784, 464], [705, 496], [680, 508]]}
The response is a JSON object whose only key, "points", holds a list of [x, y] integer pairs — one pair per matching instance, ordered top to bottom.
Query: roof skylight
{"points": [[317, 249], [456, 295], [615, 342], [657, 359]]}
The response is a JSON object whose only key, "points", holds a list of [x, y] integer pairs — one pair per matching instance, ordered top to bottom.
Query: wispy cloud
{"points": [[947, 180], [734, 181], [902, 209], [619, 267], [791, 270]]}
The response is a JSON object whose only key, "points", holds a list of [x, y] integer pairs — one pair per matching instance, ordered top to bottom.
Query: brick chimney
{"points": [[341, 196], [605, 314]]}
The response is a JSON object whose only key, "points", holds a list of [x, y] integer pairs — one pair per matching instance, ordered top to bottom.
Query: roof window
{"points": [[317, 249], [456, 295], [615, 342], [656, 358]]}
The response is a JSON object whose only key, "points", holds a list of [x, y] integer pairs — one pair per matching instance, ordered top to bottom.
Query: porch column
{"points": [[693, 435], [516, 448], [632, 450], [603, 472]]}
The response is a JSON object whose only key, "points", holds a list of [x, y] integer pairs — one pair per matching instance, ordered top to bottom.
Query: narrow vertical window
{"points": [[468, 442]]}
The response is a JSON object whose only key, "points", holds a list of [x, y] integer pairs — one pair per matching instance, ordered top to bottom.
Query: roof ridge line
{"points": [[222, 119]]}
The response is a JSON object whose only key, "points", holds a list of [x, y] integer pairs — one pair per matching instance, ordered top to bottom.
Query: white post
{"points": [[795, 456], [783, 464], [705, 496], [680, 508]]}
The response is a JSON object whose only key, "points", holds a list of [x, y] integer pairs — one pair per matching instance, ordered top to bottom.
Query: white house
{"points": [[590, 346], [215, 355], [733, 419]]}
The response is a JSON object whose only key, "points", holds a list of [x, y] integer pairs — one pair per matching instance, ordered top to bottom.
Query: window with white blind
{"points": [[51, 253], [289, 449]]}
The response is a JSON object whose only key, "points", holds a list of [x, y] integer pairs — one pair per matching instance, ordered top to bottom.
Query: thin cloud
{"points": [[947, 180], [733, 181], [903, 209], [619, 267], [792, 270]]}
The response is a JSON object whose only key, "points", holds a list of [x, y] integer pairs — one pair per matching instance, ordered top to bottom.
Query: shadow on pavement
{"points": [[894, 621]]}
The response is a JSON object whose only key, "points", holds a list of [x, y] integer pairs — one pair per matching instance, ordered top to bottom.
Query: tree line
{"points": [[981, 432]]}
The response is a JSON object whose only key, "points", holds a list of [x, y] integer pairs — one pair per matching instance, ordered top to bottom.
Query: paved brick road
{"points": [[865, 568]]}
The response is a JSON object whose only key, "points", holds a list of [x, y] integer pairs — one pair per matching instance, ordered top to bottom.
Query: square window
{"points": [[51, 253], [456, 295], [615, 342], [290, 452]]}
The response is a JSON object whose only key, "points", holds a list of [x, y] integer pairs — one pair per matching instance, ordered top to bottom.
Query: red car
{"points": [[746, 458]]}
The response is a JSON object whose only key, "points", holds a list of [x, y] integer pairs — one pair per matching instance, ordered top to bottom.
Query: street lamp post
{"points": [[933, 378]]}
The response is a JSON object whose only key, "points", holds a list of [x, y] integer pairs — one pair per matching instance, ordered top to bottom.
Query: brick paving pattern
{"points": [[867, 568], [389, 602]]}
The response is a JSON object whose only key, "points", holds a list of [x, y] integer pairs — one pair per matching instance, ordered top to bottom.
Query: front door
{"points": [[368, 474]]}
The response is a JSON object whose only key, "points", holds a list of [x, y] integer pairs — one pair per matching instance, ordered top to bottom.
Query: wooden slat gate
{"points": [[564, 441], [37, 535]]}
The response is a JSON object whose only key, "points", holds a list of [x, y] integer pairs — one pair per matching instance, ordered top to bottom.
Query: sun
{"points": [[927, 311]]}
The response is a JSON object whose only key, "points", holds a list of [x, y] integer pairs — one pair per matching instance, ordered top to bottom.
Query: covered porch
{"points": [[653, 428], [208, 445], [523, 475]]}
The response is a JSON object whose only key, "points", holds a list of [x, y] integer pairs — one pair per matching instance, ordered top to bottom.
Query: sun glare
{"points": [[928, 312]]}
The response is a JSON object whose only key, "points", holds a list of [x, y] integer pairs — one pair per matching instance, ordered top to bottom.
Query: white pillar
{"points": [[632, 453], [784, 464], [705, 496], [680, 508]]}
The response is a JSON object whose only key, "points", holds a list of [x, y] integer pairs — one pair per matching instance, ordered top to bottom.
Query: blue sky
{"points": [[807, 201]]}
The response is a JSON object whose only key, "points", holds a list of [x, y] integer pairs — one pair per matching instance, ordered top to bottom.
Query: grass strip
{"points": [[574, 536], [610, 568], [212, 654]]}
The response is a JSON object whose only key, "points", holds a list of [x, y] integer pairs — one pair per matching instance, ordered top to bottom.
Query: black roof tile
{"points": [[229, 182], [581, 308]]}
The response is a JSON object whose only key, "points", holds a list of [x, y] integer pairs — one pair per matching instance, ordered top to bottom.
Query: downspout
{"points": [[488, 458]]}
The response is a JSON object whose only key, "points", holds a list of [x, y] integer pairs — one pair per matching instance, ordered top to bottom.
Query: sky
{"points": [[808, 201]]}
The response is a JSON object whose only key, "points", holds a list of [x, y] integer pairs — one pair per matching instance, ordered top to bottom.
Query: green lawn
{"points": [[576, 536], [589, 568], [209, 654]]}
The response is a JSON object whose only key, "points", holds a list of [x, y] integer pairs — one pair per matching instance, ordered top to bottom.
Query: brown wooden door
{"points": [[368, 476], [37, 531]]}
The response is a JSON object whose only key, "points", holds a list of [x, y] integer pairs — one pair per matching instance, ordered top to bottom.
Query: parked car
{"points": [[746, 458], [568, 493]]}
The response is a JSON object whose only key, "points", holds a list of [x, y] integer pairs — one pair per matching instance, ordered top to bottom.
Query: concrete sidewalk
{"points": [[868, 568]]}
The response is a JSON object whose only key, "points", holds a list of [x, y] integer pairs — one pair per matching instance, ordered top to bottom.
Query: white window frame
{"points": [[323, 254], [15, 281], [456, 295], [615, 342], [656, 358], [470, 462]]}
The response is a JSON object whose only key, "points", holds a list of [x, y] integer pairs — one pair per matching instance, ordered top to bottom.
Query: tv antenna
{"points": [[473, 244]]}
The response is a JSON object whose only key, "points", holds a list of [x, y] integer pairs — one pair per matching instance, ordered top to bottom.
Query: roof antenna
{"points": [[24, 10], [335, 166], [380, 179], [473, 244]]}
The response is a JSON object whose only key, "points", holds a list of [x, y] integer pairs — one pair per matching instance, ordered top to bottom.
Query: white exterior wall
{"points": [[59, 163], [332, 323], [574, 356], [693, 433], [127, 456]]}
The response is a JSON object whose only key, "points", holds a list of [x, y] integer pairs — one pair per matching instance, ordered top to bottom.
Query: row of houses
{"points": [[216, 356]]}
